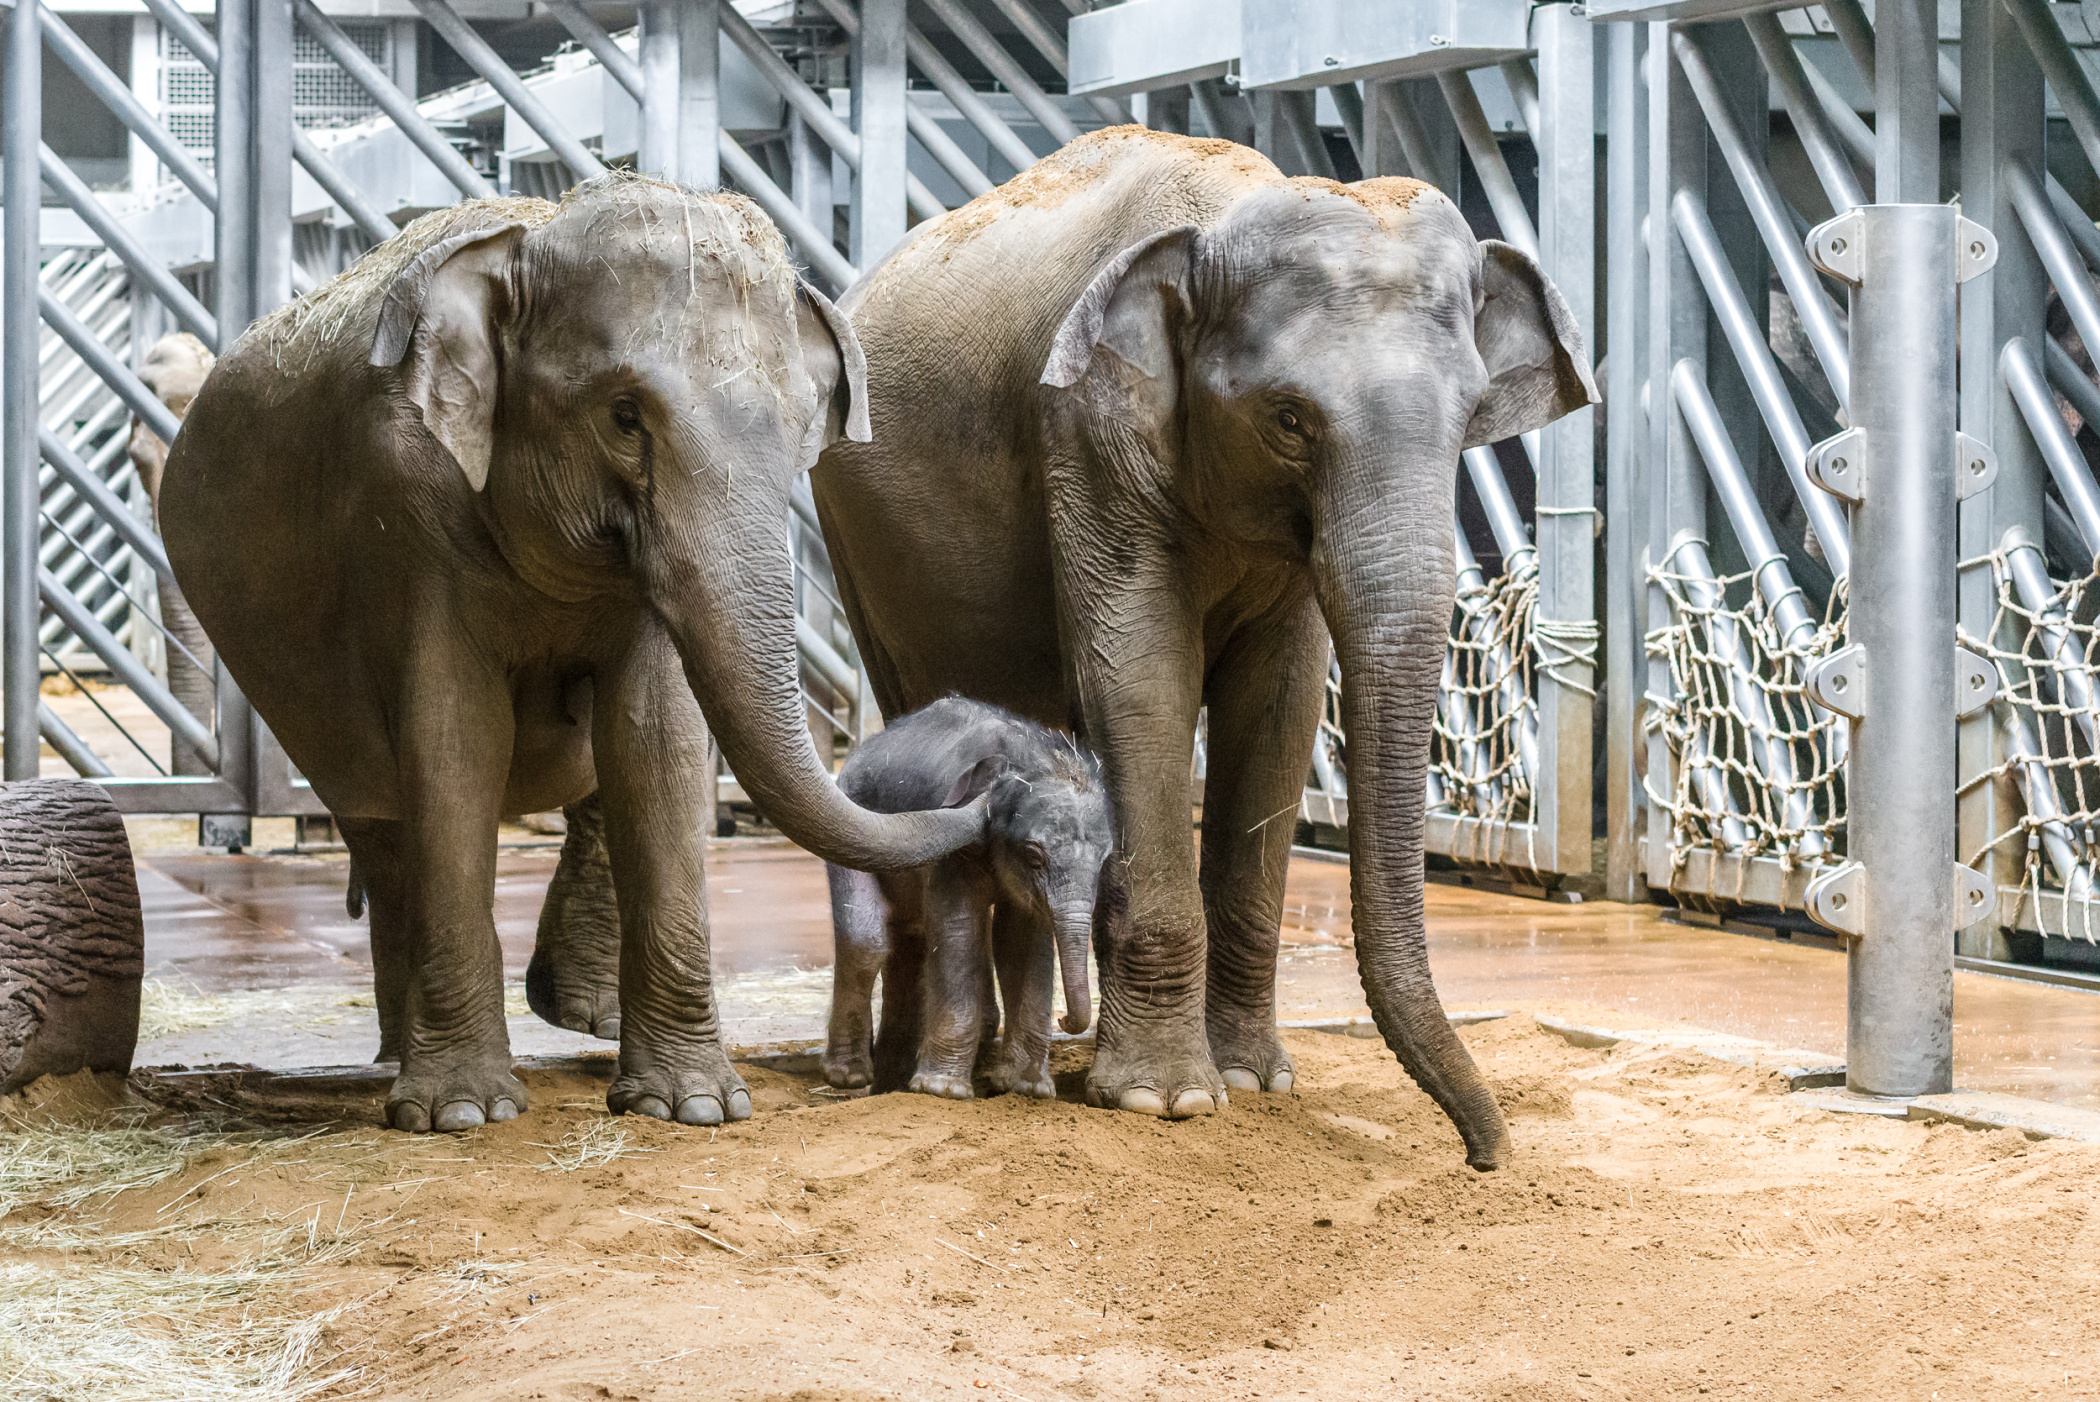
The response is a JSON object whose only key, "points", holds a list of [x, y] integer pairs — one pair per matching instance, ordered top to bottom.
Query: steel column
{"points": [[658, 48], [699, 93], [879, 100], [1564, 115], [2002, 130], [19, 407], [1626, 461], [1901, 774]]}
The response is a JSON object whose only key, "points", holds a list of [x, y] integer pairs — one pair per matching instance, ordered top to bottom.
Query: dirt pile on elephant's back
{"points": [[1668, 1224]]}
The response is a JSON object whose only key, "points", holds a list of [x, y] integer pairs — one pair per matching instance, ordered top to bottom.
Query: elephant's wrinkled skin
{"points": [[175, 370], [1147, 418], [474, 526], [1017, 902]]}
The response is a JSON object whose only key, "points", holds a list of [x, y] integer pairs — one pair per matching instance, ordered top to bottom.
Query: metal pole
{"points": [[476, 53], [1010, 75], [2067, 80], [112, 92], [699, 93], [659, 99], [879, 99], [399, 107], [1811, 123], [272, 171], [1495, 179], [118, 240], [234, 271], [2024, 382], [1626, 465], [19, 496], [1900, 780]]}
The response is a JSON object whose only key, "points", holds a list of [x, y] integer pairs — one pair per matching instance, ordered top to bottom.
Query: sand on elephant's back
{"points": [[1667, 1222]]}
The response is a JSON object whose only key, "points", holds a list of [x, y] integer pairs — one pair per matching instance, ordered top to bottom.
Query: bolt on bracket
{"points": [[1834, 246], [1839, 465], [1975, 466], [1975, 682], [1838, 683], [1974, 896], [1837, 900]]}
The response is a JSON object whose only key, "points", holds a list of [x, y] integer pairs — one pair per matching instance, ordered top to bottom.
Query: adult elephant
{"points": [[1146, 418], [497, 517]]}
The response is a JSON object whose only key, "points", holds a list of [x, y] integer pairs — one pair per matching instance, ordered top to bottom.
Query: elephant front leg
{"points": [[1140, 656], [1265, 695], [650, 744], [957, 956], [1027, 963], [573, 980], [455, 1044]]}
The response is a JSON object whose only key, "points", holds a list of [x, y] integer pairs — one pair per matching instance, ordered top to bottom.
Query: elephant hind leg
{"points": [[381, 879], [573, 980]]}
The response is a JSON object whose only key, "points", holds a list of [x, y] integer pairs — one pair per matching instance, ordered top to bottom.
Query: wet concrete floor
{"points": [[259, 961]]}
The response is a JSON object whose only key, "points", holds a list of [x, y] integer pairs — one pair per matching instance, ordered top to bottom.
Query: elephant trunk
{"points": [[1383, 571], [729, 602], [1075, 938]]}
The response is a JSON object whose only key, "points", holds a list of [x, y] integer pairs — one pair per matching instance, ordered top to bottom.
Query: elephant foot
{"points": [[565, 994], [1248, 1055], [848, 1068], [1155, 1069], [1019, 1076], [945, 1084], [701, 1089], [451, 1096]]}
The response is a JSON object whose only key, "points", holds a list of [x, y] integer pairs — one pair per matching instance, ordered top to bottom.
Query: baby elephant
{"points": [[1014, 901]]}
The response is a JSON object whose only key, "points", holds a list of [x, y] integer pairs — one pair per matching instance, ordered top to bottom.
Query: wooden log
{"points": [[72, 939]]}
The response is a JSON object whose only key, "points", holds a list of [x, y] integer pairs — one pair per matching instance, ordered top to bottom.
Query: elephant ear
{"points": [[440, 317], [1528, 339], [1117, 344], [831, 354], [976, 780]]}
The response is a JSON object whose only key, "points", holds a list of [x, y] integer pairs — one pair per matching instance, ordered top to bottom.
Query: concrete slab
{"points": [[2037, 1119]]}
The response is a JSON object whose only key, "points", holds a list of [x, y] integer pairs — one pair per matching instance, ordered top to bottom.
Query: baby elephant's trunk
{"points": [[1075, 934]]}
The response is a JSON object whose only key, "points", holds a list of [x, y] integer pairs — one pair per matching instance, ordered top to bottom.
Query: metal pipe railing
{"points": [[1045, 41], [989, 52], [476, 53], [2060, 67], [1523, 82], [116, 95], [1349, 103], [399, 107], [1296, 111], [1224, 112], [1811, 123], [1495, 179], [1767, 211], [2065, 269], [155, 278], [107, 367], [1761, 370], [2069, 381], [2067, 465], [106, 503], [1702, 589], [2038, 594], [129, 670], [71, 748]]}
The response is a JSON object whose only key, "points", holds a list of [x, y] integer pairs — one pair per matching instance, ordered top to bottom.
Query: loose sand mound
{"points": [[1671, 1226]]}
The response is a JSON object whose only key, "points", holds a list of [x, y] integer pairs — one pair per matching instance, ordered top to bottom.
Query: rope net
{"points": [[2048, 717], [1758, 767]]}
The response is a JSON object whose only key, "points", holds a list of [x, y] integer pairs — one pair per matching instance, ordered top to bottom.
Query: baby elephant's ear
{"points": [[975, 780]]}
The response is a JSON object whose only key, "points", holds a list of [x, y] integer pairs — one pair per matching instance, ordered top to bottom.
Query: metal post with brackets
{"points": [[1903, 467]]}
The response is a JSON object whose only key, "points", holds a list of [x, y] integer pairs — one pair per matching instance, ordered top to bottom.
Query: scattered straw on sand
{"points": [[596, 1144]]}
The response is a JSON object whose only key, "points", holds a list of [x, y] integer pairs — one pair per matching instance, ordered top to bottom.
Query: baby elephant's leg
{"points": [[860, 944], [956, 953], [1027, 962]]}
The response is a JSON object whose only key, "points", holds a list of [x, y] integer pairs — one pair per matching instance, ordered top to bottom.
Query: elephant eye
{"points": [[627, 413], [1289, 421], [1034, 855]]}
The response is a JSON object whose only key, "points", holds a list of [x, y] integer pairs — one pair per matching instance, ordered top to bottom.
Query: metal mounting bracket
{"points": [[1834, 246], [1976, 252], [1839, 465], [1975, 466], [1839, 682], [1975, 682], [1974, 896], [1837, 900]]}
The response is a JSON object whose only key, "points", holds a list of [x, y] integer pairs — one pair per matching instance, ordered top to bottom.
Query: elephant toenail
{"points": [[577, 1023], [607, 1030], [1240, 1078], [1282, 1081], [1142, 1102], [1194, 1102], [739, 1105], [652, 1106], [503, 1110], [699, 1110], [456, 1115], [409, 1117]]}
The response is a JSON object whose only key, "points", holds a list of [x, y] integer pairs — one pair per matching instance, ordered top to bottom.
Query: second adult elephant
{"points": [[1152, 422], [500, 516]]}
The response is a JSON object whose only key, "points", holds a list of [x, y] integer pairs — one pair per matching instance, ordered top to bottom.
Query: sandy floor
{"points": [[1671, 1226]]}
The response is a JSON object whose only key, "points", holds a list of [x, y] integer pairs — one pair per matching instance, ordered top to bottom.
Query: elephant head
{"points": [[1300, 378], [628, 387]]}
